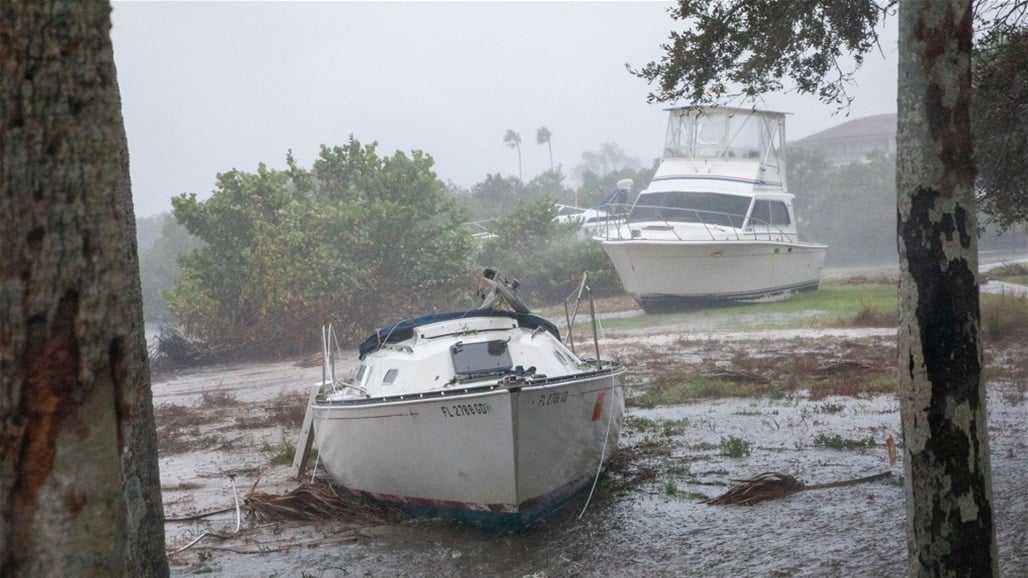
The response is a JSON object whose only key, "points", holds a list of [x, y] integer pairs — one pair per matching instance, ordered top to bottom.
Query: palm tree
{"points": [[542, 135], [513, 140]]}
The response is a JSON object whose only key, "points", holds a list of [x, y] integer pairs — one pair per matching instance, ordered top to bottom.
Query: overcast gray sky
{"points": [[211, 86]]}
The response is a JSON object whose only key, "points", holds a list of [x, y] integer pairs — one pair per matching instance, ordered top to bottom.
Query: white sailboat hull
{"points": [[496, 455]]}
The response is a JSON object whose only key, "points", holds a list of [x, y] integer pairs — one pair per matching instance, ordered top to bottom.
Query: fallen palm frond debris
{"points": [[171, 348], [772, 485], [309, 501]]}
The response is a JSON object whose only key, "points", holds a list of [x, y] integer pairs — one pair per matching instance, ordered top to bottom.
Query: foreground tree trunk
{"points": [[141, 480], [948, 485], [79, 490]]}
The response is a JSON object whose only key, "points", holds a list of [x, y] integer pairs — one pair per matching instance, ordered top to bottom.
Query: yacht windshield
{"points": [[682, 207]]}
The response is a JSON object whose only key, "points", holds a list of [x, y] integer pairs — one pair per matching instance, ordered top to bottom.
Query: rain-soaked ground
{"points": [[646, 517], [849, 531]]}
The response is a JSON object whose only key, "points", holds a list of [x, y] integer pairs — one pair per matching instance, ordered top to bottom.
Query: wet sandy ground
{"points": [[634, 525]]}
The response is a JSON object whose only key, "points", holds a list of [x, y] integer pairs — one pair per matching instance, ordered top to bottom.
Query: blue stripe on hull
{"points": [[488, 516]]}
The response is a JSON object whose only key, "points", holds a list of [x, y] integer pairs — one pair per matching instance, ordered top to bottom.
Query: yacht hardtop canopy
{"points": [[717, 139]]}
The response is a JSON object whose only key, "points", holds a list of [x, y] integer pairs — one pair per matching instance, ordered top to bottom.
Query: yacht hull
{"points": [[670, 274]]}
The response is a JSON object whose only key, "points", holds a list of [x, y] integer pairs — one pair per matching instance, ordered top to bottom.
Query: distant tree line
{"points": [[850, 208], [359, 240]]}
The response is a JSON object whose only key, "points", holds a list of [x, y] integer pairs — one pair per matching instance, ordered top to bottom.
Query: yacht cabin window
{"points": [[691, 207], [770, 214]]}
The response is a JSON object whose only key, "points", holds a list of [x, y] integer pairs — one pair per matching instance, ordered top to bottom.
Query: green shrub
{"points": [[837, 442], [735, 447], [280, 454], [670, 488]]}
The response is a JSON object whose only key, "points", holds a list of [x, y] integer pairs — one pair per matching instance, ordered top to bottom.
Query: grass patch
{"points": [[1010, 272], [835, 304], [872, 315], [1003, 316], [855, 370], [876, 381], [676, 386], [218, 399], [829, 408], [288, 409], [174, 416], [640, 424], [178, 427], [660, 427], [673, 427], [837, 442], [735, 447], [280, 454], [670, 488]]}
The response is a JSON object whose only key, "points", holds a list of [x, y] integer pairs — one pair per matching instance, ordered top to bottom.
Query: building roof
{"points": [[879, 125]]}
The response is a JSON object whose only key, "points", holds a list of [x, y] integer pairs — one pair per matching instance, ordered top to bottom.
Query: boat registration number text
{"points": [[550, 398], [466, 409]]}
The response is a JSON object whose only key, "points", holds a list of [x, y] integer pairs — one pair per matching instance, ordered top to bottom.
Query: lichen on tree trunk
{"points": [[949, 498]]}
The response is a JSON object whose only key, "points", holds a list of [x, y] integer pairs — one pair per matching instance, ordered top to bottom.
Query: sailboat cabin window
{"points": [[482, 357], [560, 357], [362, 376]]}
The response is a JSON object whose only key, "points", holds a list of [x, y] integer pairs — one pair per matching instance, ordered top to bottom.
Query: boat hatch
{"points": [[466, 325], [482, 357]]}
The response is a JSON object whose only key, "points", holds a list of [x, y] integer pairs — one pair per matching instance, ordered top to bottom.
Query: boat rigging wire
{"points": [[610, 411]]}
